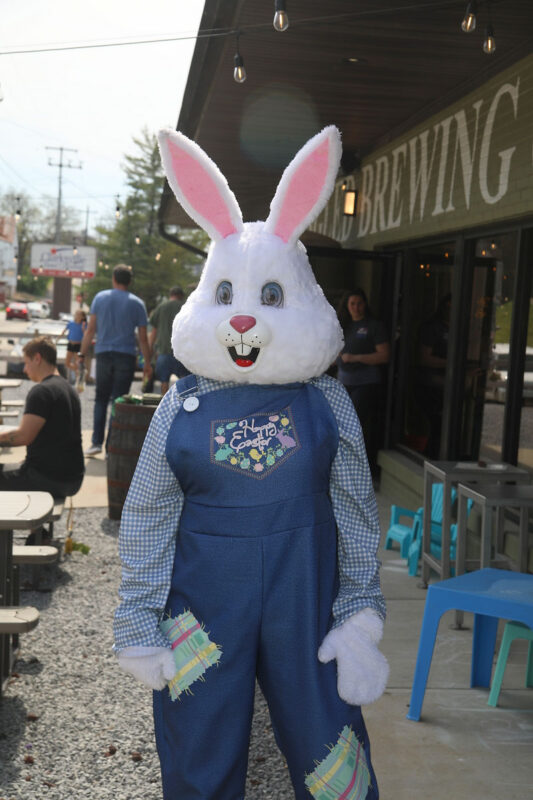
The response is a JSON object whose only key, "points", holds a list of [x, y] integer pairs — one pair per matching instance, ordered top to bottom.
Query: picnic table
{"points": [[7, 383], [18, 511]]}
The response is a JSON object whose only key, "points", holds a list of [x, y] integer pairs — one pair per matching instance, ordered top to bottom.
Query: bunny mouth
{"points": [[246, 358]]}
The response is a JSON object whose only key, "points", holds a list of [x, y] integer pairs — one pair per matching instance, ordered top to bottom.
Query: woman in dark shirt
{"points": [[366, 349]]}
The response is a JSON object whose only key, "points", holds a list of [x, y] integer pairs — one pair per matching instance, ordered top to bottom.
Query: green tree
{"points": [[135, 240]]}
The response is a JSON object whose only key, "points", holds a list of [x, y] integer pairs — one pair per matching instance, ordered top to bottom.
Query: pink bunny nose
{"points": [[242, 323]]}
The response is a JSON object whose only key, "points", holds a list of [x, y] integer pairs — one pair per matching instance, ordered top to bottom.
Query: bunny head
{"points": [[258, 314]]}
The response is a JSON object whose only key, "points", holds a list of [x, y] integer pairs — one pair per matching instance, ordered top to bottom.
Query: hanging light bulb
{"points": [[281, 20], [468, 25], [489, 45], [239, 73], [343, 186], [117, 209], [17, 212], [137, 239], [493, 245], [75, 251], [157, 256], [174, 260], [100, 263], [106, 266]]}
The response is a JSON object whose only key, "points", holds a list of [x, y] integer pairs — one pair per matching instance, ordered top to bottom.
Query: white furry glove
{"points": [[153, 666], [362, 671]]}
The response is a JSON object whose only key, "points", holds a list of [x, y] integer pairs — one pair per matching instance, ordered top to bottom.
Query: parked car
{"points": [[38, 309], [17, 311]]}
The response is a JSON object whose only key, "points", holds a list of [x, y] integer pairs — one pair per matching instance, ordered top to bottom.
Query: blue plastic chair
{"points": [[490, 594]]}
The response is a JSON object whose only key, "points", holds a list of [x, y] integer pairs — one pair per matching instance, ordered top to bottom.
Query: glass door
{"points": [[488, 347]]}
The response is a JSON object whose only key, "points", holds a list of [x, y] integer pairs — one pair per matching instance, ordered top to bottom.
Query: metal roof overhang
{"points": [[413, 60]]}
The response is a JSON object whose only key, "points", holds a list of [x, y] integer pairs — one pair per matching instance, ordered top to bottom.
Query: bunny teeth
{"points": [[246, 359]]}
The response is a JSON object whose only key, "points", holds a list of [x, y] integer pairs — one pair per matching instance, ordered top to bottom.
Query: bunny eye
{"points": [[224, 293], [272, 295]]}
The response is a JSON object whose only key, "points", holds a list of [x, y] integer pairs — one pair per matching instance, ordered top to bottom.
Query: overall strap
{"points": [[186, 386]]}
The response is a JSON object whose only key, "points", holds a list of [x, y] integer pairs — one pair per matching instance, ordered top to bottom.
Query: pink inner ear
{"points": [[200, 190], [303, 191]]}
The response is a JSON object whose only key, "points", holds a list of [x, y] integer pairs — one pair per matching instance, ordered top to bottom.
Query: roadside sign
{"points": [[63, 261]]}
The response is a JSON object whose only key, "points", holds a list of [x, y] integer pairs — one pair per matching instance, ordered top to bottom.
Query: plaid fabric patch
{"points": [[193, 650], [343, 774]]}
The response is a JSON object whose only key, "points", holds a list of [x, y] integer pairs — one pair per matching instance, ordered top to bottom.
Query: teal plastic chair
{"points": [[400, 532], [415, 547], [512, 630]]}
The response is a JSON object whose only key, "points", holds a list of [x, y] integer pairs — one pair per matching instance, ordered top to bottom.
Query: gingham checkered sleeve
{"points": [[355, 509], [147, 537]]}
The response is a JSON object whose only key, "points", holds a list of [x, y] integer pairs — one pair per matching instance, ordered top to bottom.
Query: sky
{"points": [[93, 101]]}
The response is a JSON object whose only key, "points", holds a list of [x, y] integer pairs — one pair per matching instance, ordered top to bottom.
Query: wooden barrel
{"points": [[128, 429]]}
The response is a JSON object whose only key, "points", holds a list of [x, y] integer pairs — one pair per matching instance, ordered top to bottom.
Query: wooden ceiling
{"points": [[413, 59]]}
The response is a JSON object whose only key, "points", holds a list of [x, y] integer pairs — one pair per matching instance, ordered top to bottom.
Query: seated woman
{"points": [[50, 429]]}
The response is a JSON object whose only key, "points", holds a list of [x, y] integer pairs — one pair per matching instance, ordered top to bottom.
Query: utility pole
{"points": [[62, 286]]}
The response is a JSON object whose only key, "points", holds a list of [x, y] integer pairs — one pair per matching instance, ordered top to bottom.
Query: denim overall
{"points": [[255, 576]]}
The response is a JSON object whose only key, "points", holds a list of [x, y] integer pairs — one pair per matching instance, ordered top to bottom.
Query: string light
{"points": [[281, 20], [468, 25], [489, 45], [239, 72], [117, 210], [17, 212], [137, 239], [493, 245], [75, 251], [157, 256]]}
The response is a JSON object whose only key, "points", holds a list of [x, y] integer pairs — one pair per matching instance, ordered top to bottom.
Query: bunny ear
{"points": [[199, 185], [305, 186]]}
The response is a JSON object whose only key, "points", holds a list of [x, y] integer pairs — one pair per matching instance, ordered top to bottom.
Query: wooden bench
{"points": [[13, 403]]}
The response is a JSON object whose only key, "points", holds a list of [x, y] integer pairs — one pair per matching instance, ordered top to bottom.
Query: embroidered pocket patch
{"points": [[255, 445], [193, 651], [344, 773]]}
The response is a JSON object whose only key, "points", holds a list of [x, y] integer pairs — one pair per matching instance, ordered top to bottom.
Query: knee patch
{"points": [[344, 773]]}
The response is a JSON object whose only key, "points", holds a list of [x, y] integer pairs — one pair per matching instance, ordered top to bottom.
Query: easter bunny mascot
{"points": [[249, 535]]}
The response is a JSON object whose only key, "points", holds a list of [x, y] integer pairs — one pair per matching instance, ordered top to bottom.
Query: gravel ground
{"points": [[68, 706]]}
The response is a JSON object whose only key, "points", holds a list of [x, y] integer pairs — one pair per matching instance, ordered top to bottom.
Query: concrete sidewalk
{"points": [[461, 749]]}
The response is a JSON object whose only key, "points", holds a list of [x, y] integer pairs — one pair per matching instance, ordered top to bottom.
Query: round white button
{"points": [[191, 403]]}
